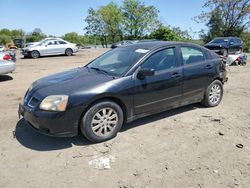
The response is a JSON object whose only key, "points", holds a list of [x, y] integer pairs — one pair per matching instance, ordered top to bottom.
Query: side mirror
{"points": [[145, 72]]}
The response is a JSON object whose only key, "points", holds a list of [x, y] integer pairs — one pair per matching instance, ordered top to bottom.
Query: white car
{"points": [[50, 46], [1, 48], [6, 63]]}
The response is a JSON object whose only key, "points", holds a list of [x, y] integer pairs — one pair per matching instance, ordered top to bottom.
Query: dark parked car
{"points": [[122, 43], [225, 45], [122, 85]]}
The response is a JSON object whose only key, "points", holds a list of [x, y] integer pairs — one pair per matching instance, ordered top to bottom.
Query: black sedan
{"points": [[122, 85]]}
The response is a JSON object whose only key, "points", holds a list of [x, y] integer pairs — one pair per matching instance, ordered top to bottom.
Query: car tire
{"points": [[68, 52], [224, 52], [34, 54], [213, 94], [102, 121]]}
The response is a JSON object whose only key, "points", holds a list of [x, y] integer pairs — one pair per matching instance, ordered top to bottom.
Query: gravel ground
{"points": [[190, 146]]}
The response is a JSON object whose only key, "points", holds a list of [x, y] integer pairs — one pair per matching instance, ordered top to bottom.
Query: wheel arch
{"points": [[69, 48], [107, 98]]}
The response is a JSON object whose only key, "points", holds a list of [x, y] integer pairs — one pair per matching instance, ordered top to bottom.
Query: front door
{"points": [[162, 90]]}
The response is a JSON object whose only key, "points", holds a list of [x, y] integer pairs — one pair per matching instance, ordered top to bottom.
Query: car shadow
{"points": [[61, 55], [4, 78], [159, 116], [31, 139]]}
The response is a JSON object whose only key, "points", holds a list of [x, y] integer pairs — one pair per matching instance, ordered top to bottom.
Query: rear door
{"points": [[61, 46], [233, 46], [197, 72], [163, 90]]}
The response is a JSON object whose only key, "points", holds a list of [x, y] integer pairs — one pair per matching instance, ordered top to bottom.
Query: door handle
{"points": [[208, 66], [175, 75]]}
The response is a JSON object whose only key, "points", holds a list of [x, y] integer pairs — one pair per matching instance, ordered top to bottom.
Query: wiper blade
{"points": [[100, 70]]}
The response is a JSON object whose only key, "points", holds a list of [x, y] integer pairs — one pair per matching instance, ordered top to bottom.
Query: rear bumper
{"points": [[8, 67], [58, 124]]}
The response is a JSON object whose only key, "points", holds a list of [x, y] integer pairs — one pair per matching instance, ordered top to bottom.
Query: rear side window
{"points": [[238, 41], [61, 42], [191, 55], [162, 60]]}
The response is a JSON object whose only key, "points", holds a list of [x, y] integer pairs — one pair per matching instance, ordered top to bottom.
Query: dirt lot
{"points": [[187, 147]]}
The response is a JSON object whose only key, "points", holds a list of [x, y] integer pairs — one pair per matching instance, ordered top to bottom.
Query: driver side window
{"points": [[161, 60]]}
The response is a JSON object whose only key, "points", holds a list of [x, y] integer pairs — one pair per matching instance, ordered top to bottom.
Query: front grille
{"points": [[30, 100], [33, 102]]}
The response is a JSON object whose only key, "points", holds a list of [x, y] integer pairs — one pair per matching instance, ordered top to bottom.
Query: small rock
{"points": [[216, 120], [221, 133], [239, 146], [166, 166], [216, 171], [136, 173], [122, 184]]}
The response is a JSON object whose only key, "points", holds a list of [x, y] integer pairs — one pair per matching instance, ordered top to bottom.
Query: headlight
{"points": [[54, 103]]}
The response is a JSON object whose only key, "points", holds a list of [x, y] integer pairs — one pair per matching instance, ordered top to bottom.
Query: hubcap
{"points": [[68, 52], [35, 55], [215, 94], [104, 121]]}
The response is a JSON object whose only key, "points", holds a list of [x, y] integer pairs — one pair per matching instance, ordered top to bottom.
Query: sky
{"points": [[57, 17]]}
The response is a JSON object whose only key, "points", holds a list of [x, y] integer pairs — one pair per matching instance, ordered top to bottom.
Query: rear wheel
{"points": [[68, 52], [35, 54], [213, 94], [102, 121]]}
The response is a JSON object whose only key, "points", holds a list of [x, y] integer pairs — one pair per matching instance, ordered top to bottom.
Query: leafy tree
{"points": [[111, 16], [225, 18], [138, 19], [96, 26], [5, 32], [17, 33], [167, 34], [183, 34], [35, 36], [72, 37], [246, 38]]}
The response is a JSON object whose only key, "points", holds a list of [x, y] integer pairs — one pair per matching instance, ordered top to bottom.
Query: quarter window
{"points": [[61, 42], [192, 55], [164, 59]]}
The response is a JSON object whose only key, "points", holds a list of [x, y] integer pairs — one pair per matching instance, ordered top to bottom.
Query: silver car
{"points": [[50, 46], [6, 63]]}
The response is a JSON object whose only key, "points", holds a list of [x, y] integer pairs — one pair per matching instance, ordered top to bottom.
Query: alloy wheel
{"points": [[104, 121]]}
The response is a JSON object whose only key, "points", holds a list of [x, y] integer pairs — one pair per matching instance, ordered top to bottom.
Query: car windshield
{"points": [[219, 40], [43, 42], [117, 61]]}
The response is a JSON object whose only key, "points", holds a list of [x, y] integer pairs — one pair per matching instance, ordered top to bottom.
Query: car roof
{"points": [[227, 37], [151, 45]]}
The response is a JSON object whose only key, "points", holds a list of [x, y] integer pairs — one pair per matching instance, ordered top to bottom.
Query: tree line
{"points": [[134, 20]]}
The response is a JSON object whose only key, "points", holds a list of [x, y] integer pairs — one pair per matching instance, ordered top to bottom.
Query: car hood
{"points": [[69, 82]]}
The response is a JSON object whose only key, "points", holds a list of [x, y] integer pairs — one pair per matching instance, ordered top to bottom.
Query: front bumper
{"points": [[25, 52], [59, 124]]}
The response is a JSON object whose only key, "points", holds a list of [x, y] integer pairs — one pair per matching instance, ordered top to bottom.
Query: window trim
{"points": [[158, 50]]}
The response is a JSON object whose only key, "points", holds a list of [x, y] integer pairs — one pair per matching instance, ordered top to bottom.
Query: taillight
{"points": [[6, 57]]}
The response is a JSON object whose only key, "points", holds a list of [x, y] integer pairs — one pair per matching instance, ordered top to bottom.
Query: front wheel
{"points": [[68, 52], [35, 54], [213, 94], [102, 121]]}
